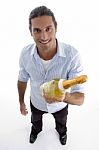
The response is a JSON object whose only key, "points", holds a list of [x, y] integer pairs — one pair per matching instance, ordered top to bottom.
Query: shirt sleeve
{"points": [[76, 69], [23, 74]]}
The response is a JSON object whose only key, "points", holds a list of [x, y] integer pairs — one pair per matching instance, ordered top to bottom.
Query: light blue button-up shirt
{"points": [[66, 64]]}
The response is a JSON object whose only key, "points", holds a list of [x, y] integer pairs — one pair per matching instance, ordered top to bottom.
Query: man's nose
{"points": [[44, 35]]}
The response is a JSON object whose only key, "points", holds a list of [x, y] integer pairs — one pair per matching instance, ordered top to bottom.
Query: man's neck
{"points": [[47, 55]]}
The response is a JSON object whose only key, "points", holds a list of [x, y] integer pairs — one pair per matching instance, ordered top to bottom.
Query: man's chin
{"points": [[45, 48]]}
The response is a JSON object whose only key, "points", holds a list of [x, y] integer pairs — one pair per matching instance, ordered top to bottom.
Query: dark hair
{"points": [[41, 11]]}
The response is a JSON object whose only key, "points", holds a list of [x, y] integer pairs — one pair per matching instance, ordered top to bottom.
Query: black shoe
{"points": [[33, 138], [63, 139]]}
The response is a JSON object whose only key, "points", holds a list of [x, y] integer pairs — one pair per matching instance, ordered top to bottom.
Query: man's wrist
{"points": [[67, 97], [21, 101]]}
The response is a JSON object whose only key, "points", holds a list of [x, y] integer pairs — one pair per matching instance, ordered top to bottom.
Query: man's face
{"points": [[44, 33]]}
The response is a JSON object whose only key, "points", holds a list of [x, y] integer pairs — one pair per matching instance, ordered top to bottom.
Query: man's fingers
{"points": [[23, 109], [24, 112]]}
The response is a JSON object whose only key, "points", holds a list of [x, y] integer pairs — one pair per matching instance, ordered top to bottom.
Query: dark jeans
{"points": [[60, 120]]}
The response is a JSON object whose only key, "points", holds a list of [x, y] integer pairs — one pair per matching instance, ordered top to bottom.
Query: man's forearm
{"points": [[21, 90], [74, 98]]}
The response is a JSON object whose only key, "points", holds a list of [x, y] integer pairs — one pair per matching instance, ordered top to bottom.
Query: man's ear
{"points": [[56, 28], [30, 30], [31, 33]]}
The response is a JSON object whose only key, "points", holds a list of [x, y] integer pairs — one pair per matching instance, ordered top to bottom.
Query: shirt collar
{"points": [[33, 49], [60, 49]]}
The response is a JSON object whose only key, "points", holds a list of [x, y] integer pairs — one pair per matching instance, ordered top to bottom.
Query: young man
{"points": [[43, 61]]}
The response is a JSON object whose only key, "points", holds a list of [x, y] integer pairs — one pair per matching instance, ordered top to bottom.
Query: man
{"points": [[43, 61]]}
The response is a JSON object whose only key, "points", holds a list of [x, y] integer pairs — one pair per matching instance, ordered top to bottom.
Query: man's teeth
{"points": [[45, 42]]}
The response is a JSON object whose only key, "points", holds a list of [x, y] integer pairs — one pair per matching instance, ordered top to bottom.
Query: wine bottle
{"points": [[57, 87]]}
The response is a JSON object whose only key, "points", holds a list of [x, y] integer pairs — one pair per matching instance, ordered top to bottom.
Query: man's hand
{"points": [[51, 92], [52, 99], [23, 109]]}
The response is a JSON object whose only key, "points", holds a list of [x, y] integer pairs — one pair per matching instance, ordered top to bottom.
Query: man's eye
{"points": [[48, 29], [36, 30]]}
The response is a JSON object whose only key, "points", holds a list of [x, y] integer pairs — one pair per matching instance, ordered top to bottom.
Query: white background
{"points": [[78, 25]]}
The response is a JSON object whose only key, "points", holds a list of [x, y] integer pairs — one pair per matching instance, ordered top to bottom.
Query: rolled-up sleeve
{"points": [[76, 69], [23, 74]]}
